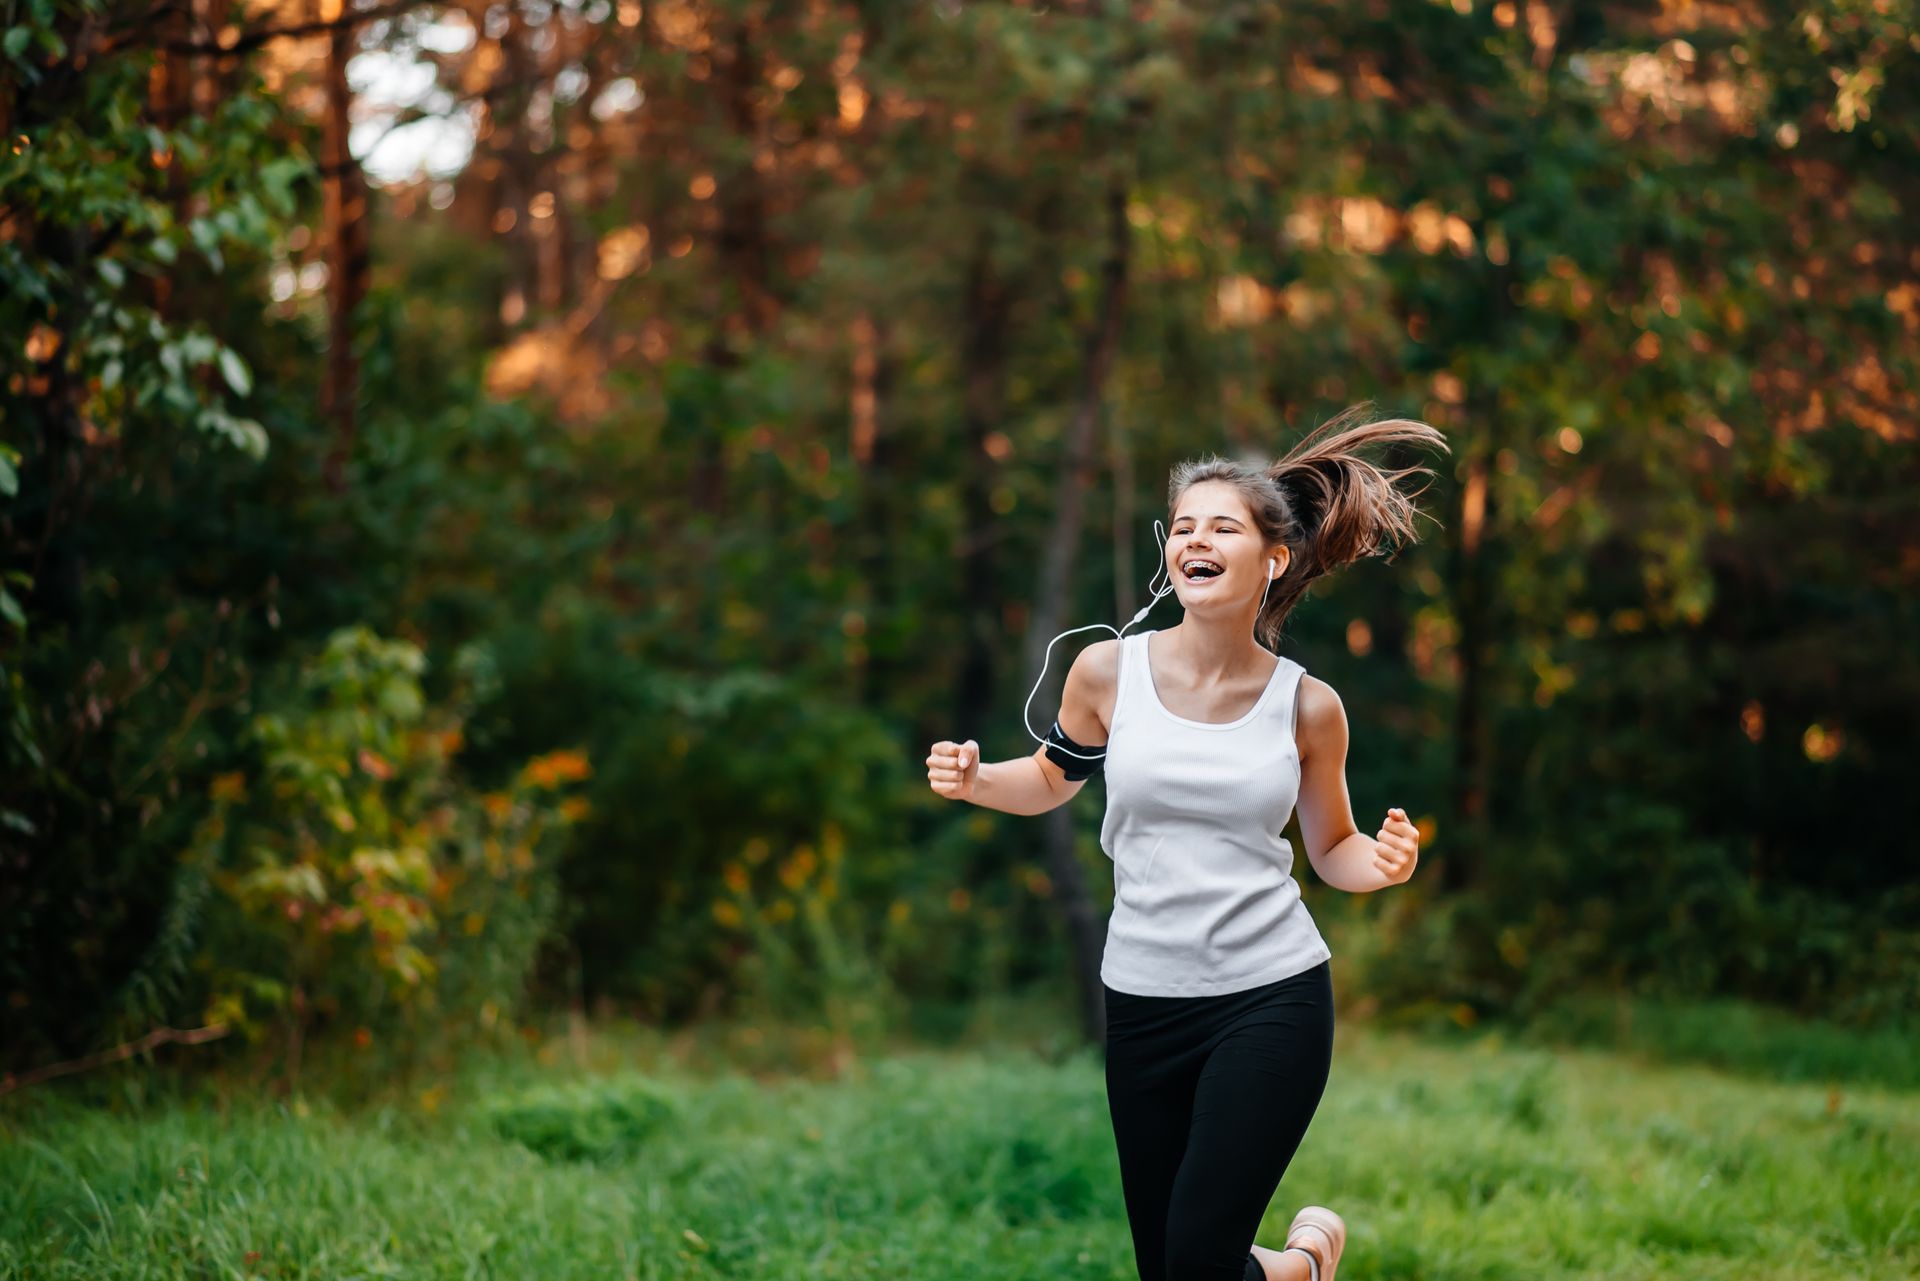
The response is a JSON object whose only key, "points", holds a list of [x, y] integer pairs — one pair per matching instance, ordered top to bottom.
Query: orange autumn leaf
{"points": [[556, 768]]}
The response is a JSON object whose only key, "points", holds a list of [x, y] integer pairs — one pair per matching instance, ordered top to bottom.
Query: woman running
{"points": [[1218, 997]]}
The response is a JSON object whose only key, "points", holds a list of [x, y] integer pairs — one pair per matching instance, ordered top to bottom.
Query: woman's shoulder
{"points": [[1098, 663], [1092, 689], [1319, 716]]}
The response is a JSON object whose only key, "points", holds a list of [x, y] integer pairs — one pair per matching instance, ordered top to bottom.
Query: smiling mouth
{"points": [[1201, 571]]}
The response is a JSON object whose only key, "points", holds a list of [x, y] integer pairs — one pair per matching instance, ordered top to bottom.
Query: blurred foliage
{"points": [[122, 411], [711, 420], [359, 882]]}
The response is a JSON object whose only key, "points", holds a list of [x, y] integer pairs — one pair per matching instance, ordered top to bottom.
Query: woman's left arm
{"points": [[1343, 857]]}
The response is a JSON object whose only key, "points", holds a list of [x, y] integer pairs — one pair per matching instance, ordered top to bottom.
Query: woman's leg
{"points": [[1150, 1085], [1254, 1098]]}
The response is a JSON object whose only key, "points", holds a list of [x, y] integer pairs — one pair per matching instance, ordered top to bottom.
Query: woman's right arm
{"points": [[1034, 784]]}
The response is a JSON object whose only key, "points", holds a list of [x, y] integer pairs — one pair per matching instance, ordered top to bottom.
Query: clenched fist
{"points": [[952, 768], [1399, 843]]}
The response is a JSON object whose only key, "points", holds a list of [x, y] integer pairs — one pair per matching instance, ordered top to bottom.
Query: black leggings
{"points": [[1210, 1097]]}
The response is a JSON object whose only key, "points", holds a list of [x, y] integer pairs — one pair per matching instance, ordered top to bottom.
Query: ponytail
{"points": [[1327, 503]]}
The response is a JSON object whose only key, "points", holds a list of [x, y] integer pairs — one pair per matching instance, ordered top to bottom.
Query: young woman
{"points": [[1218, 999]]}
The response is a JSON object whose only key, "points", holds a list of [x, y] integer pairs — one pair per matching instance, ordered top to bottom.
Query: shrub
{"points": [[359, 882]]}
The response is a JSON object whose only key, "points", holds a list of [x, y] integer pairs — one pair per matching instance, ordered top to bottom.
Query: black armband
{"points": [[1076, 761]]}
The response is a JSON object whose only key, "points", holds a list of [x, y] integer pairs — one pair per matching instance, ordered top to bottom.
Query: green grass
{"points": [[1738, 1037], [656, 1156]]}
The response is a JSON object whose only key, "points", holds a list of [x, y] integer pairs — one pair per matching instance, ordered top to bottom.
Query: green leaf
{"points": [[17, 40], [206, 235], [112, 272], [199, 348], [235, 370], [246, 435], [252, 437], [9, 477], [10, 610]]}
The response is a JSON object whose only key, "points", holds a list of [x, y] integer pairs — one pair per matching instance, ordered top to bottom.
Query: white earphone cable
{"points": [[1160, 539]]}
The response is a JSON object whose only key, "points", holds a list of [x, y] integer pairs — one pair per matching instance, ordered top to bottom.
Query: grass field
{"points": [[633, 1154]]}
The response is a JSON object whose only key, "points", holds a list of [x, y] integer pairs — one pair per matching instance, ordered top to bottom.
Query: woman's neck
{"points": [[1217, 653]]}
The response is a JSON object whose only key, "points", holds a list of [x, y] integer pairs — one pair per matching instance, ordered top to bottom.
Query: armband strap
{"points": [[1075, 761]]}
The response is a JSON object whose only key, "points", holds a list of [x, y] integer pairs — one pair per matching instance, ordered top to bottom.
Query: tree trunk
{"points": [[169, 98], [518, 174], [346, 231], [744, 252], [983, 360], [1121, 446], [873, 451], [1055, 589], [1474, 601], [1458, 867]]}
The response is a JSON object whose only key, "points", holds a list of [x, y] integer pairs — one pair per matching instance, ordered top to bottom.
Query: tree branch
{"points": [[266, 35], [159, 1036]]}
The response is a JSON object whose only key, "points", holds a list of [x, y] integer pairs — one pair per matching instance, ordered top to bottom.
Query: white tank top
{"points": [[1204, 900]]}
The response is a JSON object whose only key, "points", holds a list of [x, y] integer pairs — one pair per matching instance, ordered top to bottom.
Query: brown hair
{"points": [[1328, 505]]}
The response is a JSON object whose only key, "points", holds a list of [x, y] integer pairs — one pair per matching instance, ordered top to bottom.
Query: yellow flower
{"points": [[794, 872], [726, 913]]}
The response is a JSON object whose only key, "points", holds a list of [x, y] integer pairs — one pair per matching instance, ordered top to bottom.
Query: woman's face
{"points": [[1213, 529]]}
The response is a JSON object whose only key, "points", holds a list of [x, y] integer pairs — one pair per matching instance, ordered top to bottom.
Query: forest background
{"points": [[497, 498]]}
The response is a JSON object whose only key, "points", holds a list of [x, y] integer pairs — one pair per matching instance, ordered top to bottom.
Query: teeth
{"points": [[1191, 565]]}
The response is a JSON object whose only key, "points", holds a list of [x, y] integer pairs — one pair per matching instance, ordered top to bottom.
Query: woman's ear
{"points": [[1278, 562]]}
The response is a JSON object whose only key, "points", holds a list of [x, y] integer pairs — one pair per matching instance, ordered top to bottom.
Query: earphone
{"points": [[1160, 539]]}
